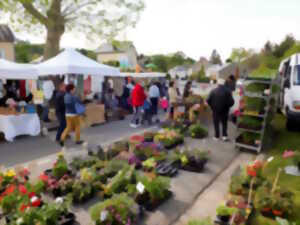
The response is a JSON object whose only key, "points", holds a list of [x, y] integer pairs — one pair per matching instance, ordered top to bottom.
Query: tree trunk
{"points": [[53, 42]]}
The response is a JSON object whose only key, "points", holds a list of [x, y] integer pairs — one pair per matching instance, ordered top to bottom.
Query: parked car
{"points": [[290, 89]]}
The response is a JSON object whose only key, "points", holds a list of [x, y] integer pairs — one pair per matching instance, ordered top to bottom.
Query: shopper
{"points": [[231, 83], [48, 89], [187, 90], [154, 95], [173, 96], [138, 97], [220, 101], [72, 104], [60, 110]]}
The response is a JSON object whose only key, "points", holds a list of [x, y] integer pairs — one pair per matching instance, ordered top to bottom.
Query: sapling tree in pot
{"points": [[224, 213]]}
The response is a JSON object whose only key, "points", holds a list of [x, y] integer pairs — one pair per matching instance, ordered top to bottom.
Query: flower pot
{"points": [[277, 213], [66, 219], [224, 219]]}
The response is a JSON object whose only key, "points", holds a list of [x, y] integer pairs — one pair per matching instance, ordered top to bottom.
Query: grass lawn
{"points": [[283, 140]]}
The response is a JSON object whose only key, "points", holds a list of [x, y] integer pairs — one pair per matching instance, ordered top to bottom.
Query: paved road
{"points": [[26, 148]]}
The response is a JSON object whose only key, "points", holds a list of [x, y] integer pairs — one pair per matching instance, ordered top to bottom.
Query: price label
{"points": [[140, 187], [103, 215]]}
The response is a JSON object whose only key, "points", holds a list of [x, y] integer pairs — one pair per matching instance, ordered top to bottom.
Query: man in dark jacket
{"points": [[220, 101], [60, 110]]}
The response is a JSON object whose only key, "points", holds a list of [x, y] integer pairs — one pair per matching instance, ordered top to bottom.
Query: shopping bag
{"points": [[80, 109]]}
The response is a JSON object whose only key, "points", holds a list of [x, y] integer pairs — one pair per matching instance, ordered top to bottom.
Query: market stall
{"points": [[71, 62], [18, 118]]}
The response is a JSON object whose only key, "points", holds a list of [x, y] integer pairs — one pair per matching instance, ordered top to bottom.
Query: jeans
{"points": [[154, 103], [45, 114], [136, 115], [223, 119], [73, 124], [62, 125]]}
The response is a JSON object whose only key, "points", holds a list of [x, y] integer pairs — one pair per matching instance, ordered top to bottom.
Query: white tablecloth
{"points": [[24, 124]]}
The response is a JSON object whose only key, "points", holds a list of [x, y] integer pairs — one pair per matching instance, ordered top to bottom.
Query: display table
{"points": [[23, 124]]}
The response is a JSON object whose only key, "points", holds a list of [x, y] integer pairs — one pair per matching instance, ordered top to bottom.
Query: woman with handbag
{"points": [[74, 109]]}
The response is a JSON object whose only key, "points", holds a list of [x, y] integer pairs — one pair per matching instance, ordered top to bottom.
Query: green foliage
{"points": [[26, 52], [239, 54], [165, 62], [113, 63], [200, 76], [257, 87], [255, 104], [251, 122], [198, 131], [250, 137], [114, 166], [60, 168], [120, 182], [157, 187], [81, 191], [122, 203], [224, 210], [207, 221]]}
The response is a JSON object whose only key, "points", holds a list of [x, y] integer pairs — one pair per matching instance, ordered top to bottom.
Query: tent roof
{"points": [[72, 62], [17, 71], [143, 75]]}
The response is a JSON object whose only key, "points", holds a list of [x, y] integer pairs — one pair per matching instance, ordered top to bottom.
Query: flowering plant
{"points": [[119, 210]]}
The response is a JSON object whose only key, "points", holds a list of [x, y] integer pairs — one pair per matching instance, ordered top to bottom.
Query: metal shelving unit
{"points": [[264, 117]]}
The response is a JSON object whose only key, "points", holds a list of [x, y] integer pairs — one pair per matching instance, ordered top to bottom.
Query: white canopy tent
{"points": [[72, 62], [17, 71], [143, 75]]}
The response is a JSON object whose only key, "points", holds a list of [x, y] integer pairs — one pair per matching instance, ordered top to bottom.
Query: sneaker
{"points": [[133, 125], [225, 138], [216, 139], [79, 142]]}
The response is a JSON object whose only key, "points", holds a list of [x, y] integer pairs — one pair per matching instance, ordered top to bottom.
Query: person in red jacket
{"points": [[138, 98]]}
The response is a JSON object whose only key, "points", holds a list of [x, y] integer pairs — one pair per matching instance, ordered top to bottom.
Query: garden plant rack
{"points": [[268, 111]]}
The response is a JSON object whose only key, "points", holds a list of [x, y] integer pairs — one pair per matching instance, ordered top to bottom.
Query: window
{"points": [[2, 53], [297, 76]]}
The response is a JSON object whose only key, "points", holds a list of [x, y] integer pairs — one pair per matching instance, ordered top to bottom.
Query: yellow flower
{"points": [[60, 154], [10, 173]]}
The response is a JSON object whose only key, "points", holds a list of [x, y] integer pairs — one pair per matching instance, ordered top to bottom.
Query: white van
{"points": [[290, 89]]}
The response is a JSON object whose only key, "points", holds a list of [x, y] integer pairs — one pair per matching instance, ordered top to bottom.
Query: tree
{"points": [[95, 18], [287, 43], [240, 54], [215, 58]]}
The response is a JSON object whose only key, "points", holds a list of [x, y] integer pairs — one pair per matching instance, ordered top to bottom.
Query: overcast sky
{"points": [[196, 27]]}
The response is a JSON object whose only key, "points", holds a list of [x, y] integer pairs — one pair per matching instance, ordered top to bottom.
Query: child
{"points": [[164, 104], [147, 112]]}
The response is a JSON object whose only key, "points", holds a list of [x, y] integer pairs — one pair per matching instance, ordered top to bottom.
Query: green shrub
{"points": [[198, 131], [60, 168], [224, 210]]}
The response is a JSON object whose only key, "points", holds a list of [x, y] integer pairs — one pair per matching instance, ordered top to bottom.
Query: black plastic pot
{"points": [[299, 166], [67, 219], [224, 219]]}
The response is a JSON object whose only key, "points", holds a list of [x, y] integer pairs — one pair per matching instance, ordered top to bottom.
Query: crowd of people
{"points": [[142, 101]]}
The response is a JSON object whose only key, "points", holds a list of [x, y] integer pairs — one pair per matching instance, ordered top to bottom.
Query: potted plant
{"points": [[257, 87], [255, 104], [250, 122], [198, 131], [149, 136], [169, 138], [116, 149], [296, 159], [82, 192], [152, 192], [120, 209], [224, 213]]}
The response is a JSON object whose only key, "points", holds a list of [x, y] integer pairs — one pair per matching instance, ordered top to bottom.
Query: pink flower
{"points": [[288, 154]]}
